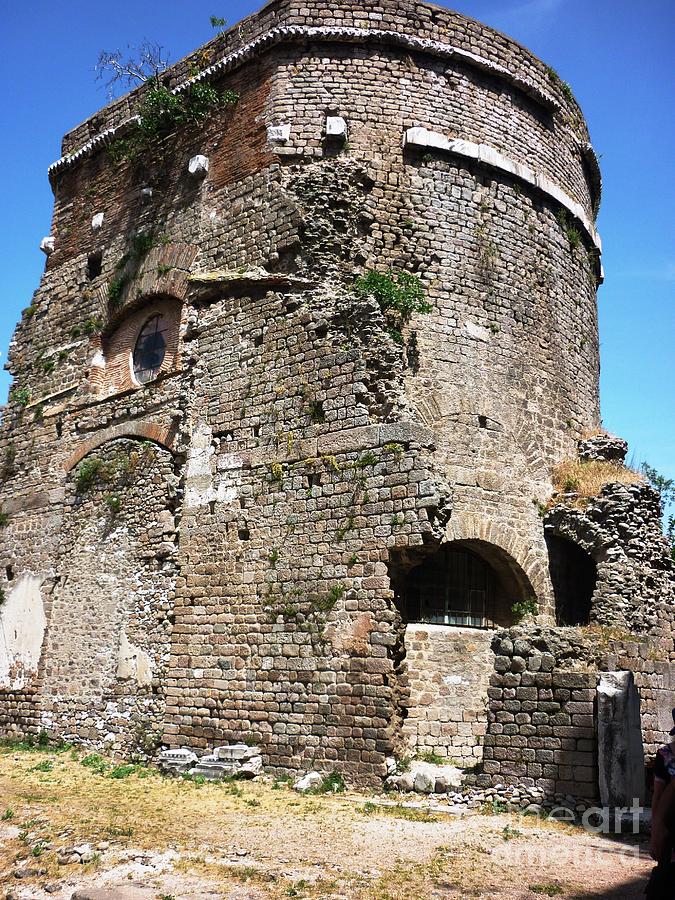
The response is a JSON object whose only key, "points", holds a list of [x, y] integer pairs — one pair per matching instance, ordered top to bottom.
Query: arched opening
{"points": [[140, 346], [573, 576], [469, 584], [449, 602]]}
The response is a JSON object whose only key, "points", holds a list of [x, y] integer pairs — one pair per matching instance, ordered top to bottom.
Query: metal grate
{"points": [[454, 587]]}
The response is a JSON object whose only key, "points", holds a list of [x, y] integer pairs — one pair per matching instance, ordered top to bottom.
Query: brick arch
{"points": [[146, 431], [528, 566]]}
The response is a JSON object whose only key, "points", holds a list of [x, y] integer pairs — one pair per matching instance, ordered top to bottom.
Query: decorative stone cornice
{"points": [[300, 34], [493, 159]]}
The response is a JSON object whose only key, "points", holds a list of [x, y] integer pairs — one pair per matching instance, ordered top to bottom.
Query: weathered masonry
{"points": [[246, 493]]}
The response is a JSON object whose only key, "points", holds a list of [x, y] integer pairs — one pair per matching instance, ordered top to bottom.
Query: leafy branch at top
{"points": [[161, 111], [666, 487]]}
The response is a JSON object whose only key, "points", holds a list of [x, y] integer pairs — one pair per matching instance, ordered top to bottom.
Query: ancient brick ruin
{"points": [[241, 499]]}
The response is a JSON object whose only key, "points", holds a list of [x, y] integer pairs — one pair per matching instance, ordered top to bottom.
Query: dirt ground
{"points": [[168, 839]]}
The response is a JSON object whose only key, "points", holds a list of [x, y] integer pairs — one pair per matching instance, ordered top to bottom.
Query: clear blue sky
{"points": [[616, 54]]}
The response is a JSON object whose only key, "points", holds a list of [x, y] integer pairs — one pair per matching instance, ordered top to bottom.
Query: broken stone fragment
{"points": [[278, 133], [198, 166], [97, 221], [47, 244], [604, 448], [620, 749], [236, 752], [177, 761], [252, 768], [426, 778], [308, 782], [423, 783], [29, 873]]}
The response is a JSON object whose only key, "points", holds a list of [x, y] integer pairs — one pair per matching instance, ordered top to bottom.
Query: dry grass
{"points": [[587, 479], [296, 846]]}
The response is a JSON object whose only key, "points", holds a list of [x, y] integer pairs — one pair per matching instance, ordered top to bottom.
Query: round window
{"points": [[150, 349]]}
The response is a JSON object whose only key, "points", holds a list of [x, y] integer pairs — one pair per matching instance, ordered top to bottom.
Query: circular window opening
{"points": [[150, 349]]}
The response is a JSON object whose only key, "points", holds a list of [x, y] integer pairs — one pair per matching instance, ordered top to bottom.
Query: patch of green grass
{"points": [[115, 291], [399, 293], [20, 396], [393, 448], [367, 459], [89, 472], [113, 504], [523, 608], [430, 757], [95, 762], [45, 766], [126, 769], [193, 779], [281, 782], [331, 784], [399, 811], [8, 815], [116, 831], [38, 849], [548, 890]]}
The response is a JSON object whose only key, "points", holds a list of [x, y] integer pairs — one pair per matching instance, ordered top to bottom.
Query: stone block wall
{"points": [[448, 671], [541, 723]]}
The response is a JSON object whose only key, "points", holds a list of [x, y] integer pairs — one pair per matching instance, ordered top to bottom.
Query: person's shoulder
{"points": [[661, 759]]}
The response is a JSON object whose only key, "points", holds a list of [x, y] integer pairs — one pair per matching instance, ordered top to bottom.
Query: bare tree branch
{"points": [[140, 65]]}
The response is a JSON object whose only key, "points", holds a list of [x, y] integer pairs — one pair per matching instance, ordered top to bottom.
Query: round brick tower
{"points": [[289, 396]]}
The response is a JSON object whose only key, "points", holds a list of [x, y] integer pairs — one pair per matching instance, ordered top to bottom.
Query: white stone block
{"points": [[336, 127], [279, 133], [464, 148], [198, 166], [146, 194], [97, 221], [47, 245], [477, 331], [620, 750], [235, 752], [252, 768], [308, 782]]}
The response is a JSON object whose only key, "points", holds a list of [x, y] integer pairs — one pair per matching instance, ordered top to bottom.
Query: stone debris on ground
{"points": [[229, 761], [426, 778], [308, 782]]}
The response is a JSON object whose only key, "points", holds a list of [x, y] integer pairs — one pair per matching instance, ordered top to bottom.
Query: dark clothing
{"points": [[664, 764], [662, 883]]}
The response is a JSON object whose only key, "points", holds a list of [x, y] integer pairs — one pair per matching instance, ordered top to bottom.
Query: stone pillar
{"points": [[620, 752]]}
